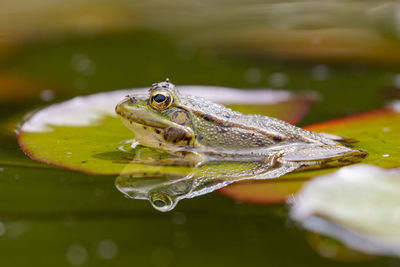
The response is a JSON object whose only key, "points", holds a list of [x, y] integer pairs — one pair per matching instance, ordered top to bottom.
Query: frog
{"points": [[194, 131], [222, 146]]}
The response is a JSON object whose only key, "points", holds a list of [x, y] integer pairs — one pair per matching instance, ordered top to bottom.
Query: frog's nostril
{"points": [[132, 100]]}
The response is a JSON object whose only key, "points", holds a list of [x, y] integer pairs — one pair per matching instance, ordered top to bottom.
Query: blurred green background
{"points": [[347, 51]]}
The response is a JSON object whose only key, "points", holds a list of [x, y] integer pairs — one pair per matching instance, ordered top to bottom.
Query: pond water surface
{"points": [[55, 217]]}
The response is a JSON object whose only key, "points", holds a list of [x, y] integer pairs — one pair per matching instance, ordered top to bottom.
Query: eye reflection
{"points": [[163, 192], [161, 202]]}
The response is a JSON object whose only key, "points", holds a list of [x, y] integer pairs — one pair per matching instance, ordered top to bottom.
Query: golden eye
{"points": [[160, 100]]}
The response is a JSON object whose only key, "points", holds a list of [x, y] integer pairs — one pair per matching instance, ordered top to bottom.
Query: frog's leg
{"points": [[339, 138], [321, 156]]}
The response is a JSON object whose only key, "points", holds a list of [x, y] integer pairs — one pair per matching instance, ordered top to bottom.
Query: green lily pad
{"points": [[84, 133], [377, 133], [358, 205]]}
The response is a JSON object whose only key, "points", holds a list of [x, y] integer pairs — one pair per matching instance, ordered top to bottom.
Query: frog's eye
{"points": [[160, 100]]}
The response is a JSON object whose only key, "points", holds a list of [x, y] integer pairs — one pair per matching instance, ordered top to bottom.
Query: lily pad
{"points": [[84, 133], [377, 133], [358, 205]]}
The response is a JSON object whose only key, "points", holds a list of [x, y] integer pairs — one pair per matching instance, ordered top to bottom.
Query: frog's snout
{"points": [[129, 99], [119, 108]]}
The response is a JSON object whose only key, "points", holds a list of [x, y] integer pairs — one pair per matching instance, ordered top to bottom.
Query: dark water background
{"points": [[54, 217]]}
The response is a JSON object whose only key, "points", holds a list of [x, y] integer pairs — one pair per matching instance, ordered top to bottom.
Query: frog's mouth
{"points": [[141, 117], [156, 133], [168, 138]]}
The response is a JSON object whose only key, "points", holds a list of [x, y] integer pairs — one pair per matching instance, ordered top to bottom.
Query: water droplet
{"points": [[81, 63], [321, 72], [253, 75], [278, 79], [46, 95], [385, 129], [385, 155], [179, 218], [16, 229], [107, 249], [77, 254]]}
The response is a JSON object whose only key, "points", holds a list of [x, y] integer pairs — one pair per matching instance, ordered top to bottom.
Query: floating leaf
{"points": [[16, 89], [377, 133], [85, 134], [11, 154], [358, 205]]}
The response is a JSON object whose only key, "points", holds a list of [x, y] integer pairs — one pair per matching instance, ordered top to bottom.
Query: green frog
{"points": [[195, 131]]}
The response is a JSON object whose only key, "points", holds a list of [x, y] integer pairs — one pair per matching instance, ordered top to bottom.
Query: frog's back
{"points": [[222, 127]]}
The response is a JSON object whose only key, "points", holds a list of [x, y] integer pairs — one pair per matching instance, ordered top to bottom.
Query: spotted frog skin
{"points": [[195, 131]]}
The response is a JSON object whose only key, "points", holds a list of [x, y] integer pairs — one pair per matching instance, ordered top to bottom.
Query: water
{"points": [[55, 217]]}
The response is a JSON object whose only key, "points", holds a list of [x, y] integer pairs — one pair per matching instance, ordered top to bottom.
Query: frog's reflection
{"points": [[165, 186], [163, 191]]}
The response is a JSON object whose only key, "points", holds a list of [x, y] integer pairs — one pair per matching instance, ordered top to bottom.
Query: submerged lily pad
{"points": [[84, 133], [377, 133], [358, 205]]}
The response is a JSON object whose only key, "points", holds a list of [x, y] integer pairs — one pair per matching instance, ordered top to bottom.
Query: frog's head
{"points": [[157, 119]]}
